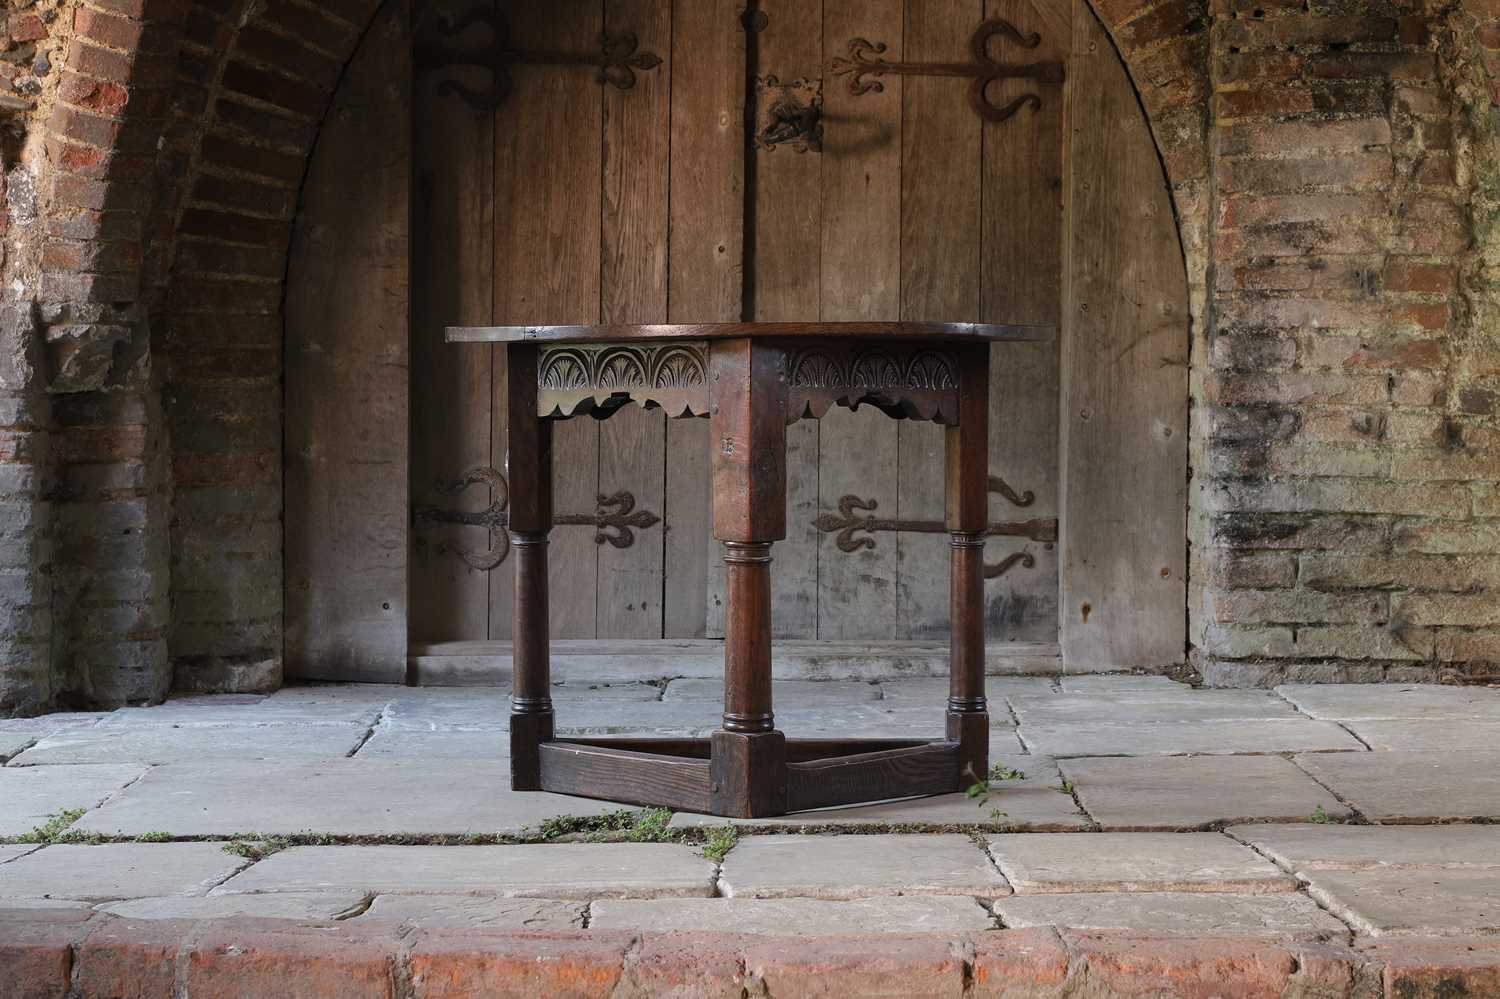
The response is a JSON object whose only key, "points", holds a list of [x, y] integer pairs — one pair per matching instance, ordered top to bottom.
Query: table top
{"points": [[952, 332]]}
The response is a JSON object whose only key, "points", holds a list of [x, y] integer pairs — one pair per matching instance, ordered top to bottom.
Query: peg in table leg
{"points": [[967, 494]]}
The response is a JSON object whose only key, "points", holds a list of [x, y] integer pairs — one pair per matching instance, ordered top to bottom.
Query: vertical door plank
{"points": [[548, 136], [452, 257], [705, 275], [940, 276], [861, 279], [1022, 283], [786, 286], [633, 289], [347, 377], [1124, 447]]}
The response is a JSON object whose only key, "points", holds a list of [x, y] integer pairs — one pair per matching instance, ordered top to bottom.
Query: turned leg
{"points": [[747, 392], [529, 472], [967, 493], [747, 638]]}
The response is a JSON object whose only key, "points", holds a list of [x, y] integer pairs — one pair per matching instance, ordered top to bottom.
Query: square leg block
{"points": [[749, 774]]}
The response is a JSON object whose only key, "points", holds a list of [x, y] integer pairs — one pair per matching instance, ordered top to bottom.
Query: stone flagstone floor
{"points": [[1307, 812]]}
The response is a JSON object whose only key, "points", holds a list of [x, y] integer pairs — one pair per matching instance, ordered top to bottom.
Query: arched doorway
{"points": [[568, 201]]}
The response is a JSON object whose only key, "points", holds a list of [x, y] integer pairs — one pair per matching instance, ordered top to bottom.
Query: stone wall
{"points": [[1335, 173], [1353, 357]]}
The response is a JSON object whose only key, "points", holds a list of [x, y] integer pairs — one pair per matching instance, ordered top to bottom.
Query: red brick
{"points": [[1116, 12], [1168, 20], [26, 27], [314, 27], [1306, 29], [114, 32], [288, 56], [1371, 65], [1244, 67], [95, 95], [294, 95], [1263, 103], [82, 126], [1353, 135], [223, 151], [85, 161], [1436, 170], [1274, 175], [1280, 209], [235, 228], [1416, 276], [62, 286], [226, 296], [1434, 316], [1398, 354], [218, 365], [98, 445], [190, 469], [35, 953], [130, 957], [245, 958], [1018, 962], [1127, 964], [459, 965], [702, 965], [837, 967], [1439, 969]]}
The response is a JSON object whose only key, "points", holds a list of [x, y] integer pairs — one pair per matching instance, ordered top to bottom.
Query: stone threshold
{"points": [[439, 664], [84, 954]]}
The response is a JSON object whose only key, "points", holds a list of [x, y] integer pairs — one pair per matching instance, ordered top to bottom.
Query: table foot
{"points": [[971, 730], [527, 733], [748, 772]]}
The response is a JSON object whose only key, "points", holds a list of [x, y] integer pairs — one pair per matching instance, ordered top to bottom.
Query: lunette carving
{"points": [[600, 378], [905, 382]]}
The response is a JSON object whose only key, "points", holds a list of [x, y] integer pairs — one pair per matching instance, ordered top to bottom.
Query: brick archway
{"points": [[152, 194]]}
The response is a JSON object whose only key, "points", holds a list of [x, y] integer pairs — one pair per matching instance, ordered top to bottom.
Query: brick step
{"points": [[82, 954]]}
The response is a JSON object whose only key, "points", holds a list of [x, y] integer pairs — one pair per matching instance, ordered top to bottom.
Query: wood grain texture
{"points": [[941, 173], [453, 227], [548, 257], [860, 271], [705, 276], [1021, 281], [786, 286], [633, 289], [792, 329], [347, 353], [1124, 443], [894, 773], [749, 774], [622, 775]]}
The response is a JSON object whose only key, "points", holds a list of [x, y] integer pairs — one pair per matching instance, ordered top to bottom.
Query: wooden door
{"points": [[554, 198], [570, 202], [915, 207]]}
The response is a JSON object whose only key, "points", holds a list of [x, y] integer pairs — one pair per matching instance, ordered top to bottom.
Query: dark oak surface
{"points": [[730, 331], [748, 771]]}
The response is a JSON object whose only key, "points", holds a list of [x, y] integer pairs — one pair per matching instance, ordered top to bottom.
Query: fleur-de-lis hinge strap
{"points": [[617, 60], [865, 65]]}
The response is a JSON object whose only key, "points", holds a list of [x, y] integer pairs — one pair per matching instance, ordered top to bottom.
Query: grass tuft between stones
{"points": [[54, 829]]}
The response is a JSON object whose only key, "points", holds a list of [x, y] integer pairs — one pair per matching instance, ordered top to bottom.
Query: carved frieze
{"points": [[600, 378], [918, 383]]}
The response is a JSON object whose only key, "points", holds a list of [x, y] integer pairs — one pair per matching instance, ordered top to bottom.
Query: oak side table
{"points": [[751, 380]]}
